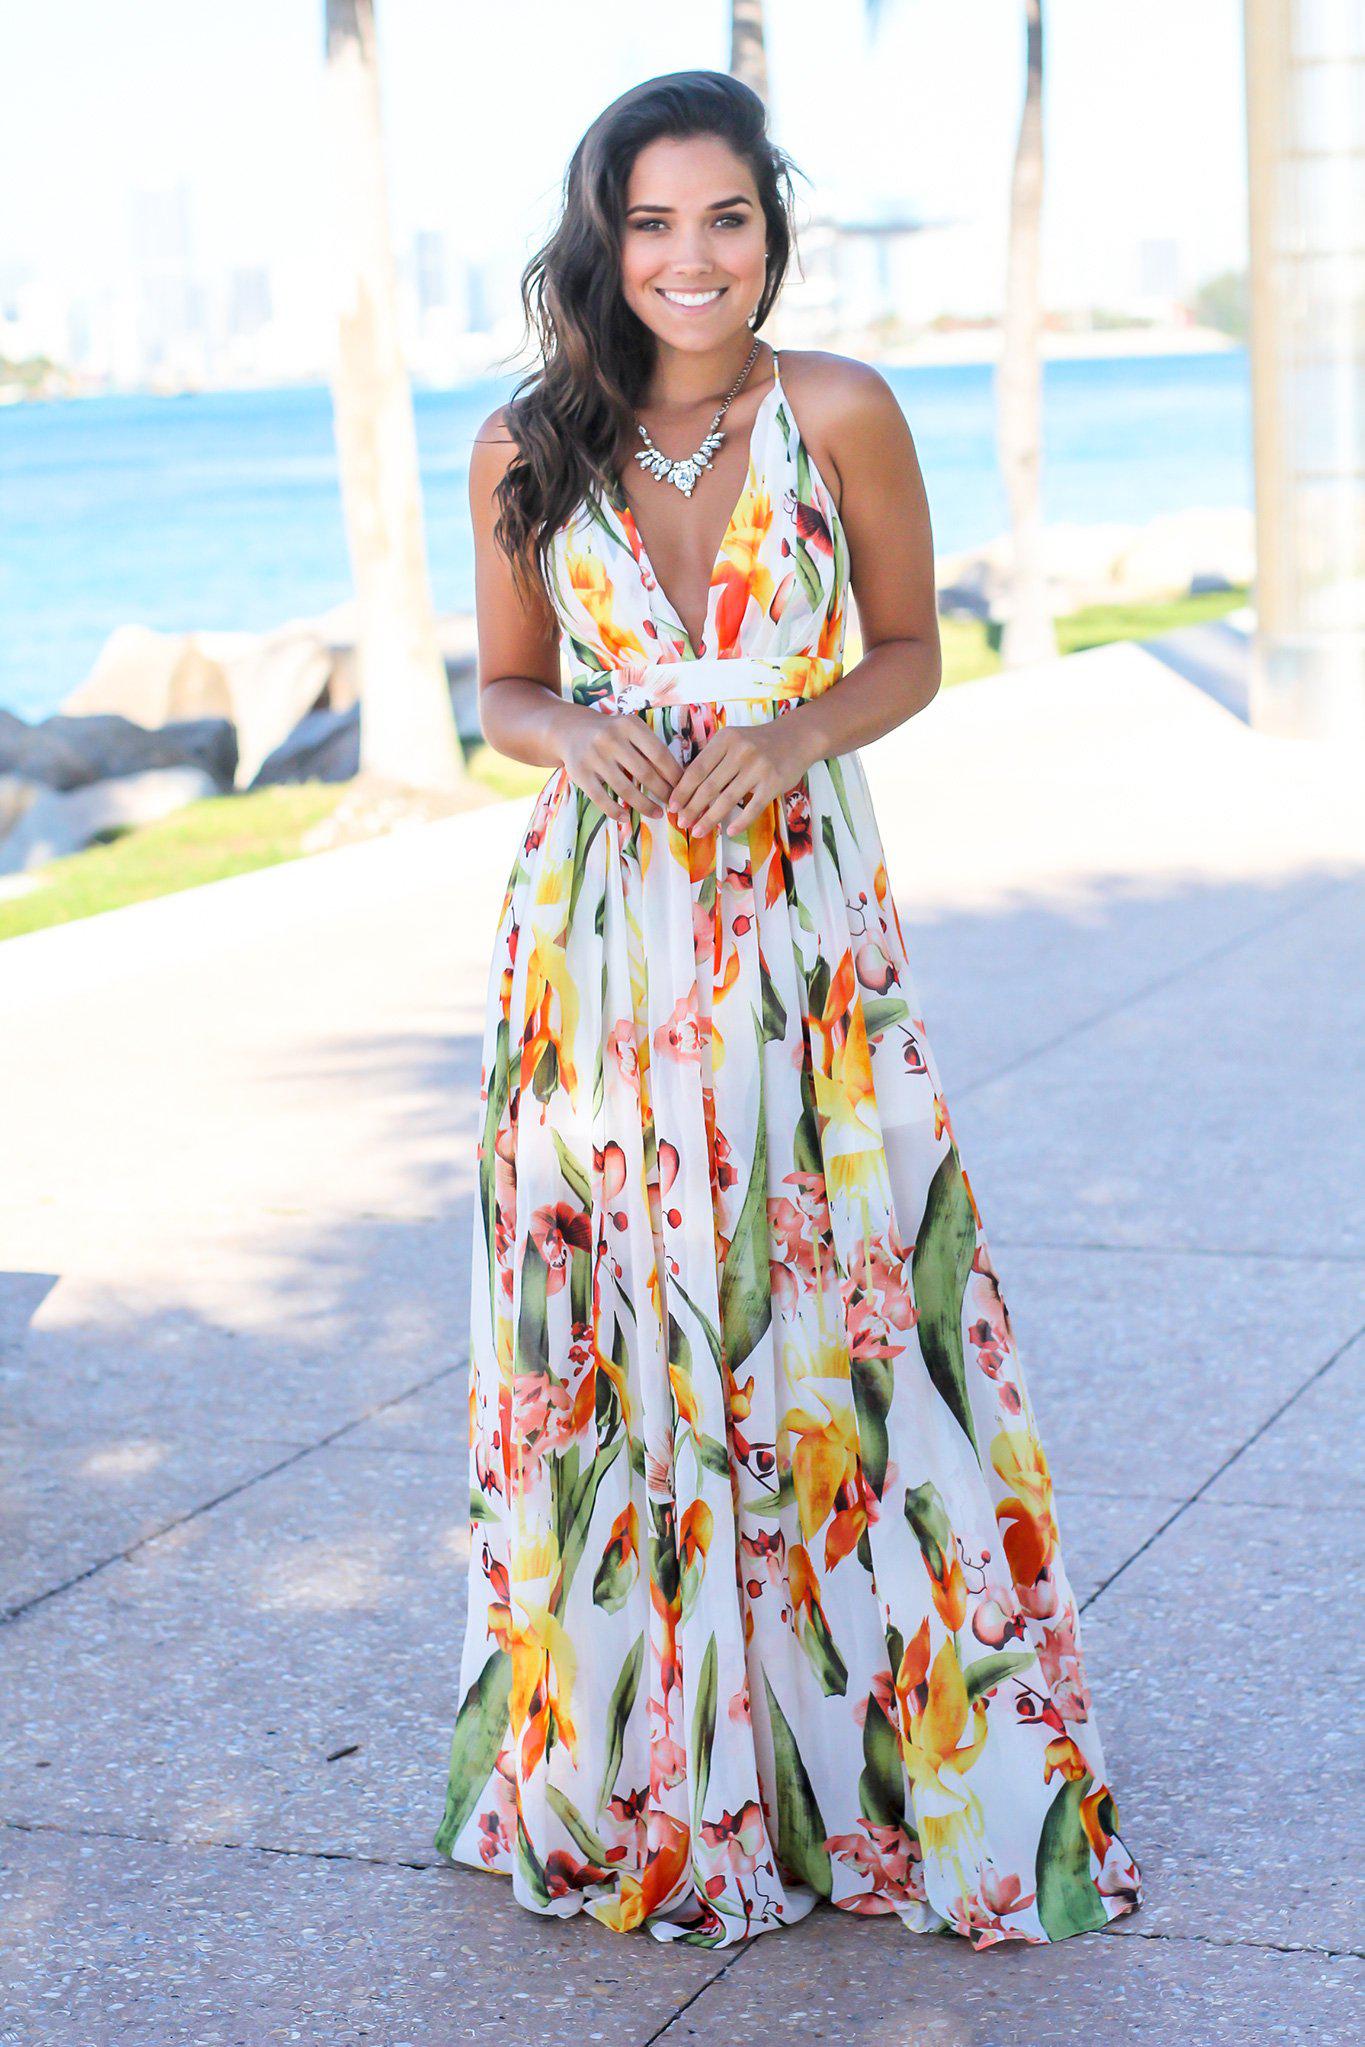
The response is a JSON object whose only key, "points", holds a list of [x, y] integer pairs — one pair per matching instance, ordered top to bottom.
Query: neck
{"points": [[685, 383]]}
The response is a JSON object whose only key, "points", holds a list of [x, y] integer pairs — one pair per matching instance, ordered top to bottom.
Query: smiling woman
{"points": [[767, 1604]]}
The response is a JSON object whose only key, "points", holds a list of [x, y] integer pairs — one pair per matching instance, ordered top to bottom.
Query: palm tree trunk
{"points": [[748, 51], [1028, 633], [407, 727]]}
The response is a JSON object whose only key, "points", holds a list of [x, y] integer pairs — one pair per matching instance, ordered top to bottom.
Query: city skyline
{"points": [[189, 191]]}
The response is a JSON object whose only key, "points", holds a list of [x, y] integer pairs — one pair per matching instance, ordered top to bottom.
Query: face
{"points": [[693, 227]]}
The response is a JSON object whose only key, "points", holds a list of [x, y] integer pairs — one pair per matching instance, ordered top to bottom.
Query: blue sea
{"points": [[221, 509]]}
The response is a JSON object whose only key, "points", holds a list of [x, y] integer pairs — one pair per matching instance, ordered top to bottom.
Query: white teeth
{"points": [[692, 298]]}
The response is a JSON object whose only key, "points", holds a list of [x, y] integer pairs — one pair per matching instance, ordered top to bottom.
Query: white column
{"points": [[1305, 62]]}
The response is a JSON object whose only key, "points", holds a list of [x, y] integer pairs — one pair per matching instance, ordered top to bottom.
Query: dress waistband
{"points": [[632, 684]]}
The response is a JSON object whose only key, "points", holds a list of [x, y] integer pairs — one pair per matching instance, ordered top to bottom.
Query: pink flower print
{"points": [[686, 1033], [623, 1050], [557, 1228], [736, 1838]]}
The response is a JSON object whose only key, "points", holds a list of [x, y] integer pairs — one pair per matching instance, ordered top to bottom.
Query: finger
{"points": [[656, 750], [645, 775], [719, 775], [598, 792], [719, 804]]}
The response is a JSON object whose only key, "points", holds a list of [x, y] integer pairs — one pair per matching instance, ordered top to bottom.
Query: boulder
{"points": [[1198, 548], [154, 678], [279, 680], [323, 747], [68, 752], [58, 821]]}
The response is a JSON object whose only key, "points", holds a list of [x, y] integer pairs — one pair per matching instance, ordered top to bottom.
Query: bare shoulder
{"points": [[837, 388], [845, 406], [490, 452]]}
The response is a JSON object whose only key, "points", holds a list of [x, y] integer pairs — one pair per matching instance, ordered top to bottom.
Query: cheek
{"points": [[637, 264]]}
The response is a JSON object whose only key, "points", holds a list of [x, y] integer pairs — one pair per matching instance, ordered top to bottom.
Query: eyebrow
{"points": [[735, 199]]}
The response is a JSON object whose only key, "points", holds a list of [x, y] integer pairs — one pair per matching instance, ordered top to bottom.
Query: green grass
{"points": [[972, 648], [224, 835]]}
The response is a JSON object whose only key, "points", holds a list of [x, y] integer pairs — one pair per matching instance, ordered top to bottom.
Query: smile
{"points": [[691, 298]]}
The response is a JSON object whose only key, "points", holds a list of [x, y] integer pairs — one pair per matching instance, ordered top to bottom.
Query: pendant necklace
{"points": [[685, 471]]}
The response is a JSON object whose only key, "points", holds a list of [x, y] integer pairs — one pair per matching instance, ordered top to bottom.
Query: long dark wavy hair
{"points": [[569, 416]]}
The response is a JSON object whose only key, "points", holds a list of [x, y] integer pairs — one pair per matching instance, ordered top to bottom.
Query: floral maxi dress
{"points": [[766, 1599]]}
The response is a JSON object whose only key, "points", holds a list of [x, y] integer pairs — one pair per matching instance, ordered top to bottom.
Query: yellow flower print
{"points": [[591, 585]]}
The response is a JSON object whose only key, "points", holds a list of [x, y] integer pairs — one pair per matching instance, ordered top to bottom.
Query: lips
{"points": [[692, 305]]}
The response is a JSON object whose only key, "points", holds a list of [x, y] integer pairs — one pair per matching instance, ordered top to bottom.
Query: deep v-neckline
{"points": [[635, 539]]}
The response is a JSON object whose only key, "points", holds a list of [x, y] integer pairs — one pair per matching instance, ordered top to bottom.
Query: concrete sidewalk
{"points": [[233, 1227]]}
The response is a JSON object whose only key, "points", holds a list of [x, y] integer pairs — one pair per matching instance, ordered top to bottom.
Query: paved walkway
{"points": [[235, 1213]]}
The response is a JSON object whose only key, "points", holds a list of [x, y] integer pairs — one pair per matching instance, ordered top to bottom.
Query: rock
{"points": [[1174, 553], [1171, 556], [283, 677], [154, 678], [265, 683], [323, 747], [66, 752], [16, 794], [59, 821]]}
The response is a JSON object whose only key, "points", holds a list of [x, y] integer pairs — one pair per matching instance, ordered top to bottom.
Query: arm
{"points": [[885, 516], [521, 711]]}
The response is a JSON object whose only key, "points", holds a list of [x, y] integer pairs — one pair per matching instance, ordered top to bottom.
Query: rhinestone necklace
{"points": [[685, 471]]}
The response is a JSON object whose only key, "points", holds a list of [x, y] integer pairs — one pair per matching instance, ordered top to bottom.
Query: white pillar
{"points": [[1305, 64]]}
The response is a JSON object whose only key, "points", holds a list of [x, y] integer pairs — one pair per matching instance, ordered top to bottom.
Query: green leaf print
{"points": [[805, 563], [835, 768], [591, 819], [774, 1011], [881, 1011], [545, 1079], [499, 1081], [807, 1155], [575, 1173], [938, 1278], [580, 1285], [746, 1301], [533, 1322], [704, 1322], [873, 1382], [713, 1454], [773, 1503], [927, 1515], [575, 1535], [613, 1579], [824, 1656], [993, 1669], [618, 1714], [480, 1727], [703, 1731], [881, 1787], [576, 1825], [801, 1837], [530, 1865], [1068, 1898]]}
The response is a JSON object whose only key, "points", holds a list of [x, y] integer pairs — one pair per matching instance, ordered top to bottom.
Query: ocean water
{"points": [[221, 509]]}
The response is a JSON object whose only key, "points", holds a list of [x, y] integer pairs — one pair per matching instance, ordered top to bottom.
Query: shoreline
{"points": [[961, 348]]}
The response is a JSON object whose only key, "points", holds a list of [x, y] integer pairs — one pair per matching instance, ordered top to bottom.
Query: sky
{"points": [[1144, 131]]}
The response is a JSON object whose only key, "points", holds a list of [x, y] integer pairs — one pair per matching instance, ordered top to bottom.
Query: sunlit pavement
{"points": [[235, 1213]]}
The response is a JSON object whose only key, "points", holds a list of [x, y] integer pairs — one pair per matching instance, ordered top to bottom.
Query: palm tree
{"points": [[748, 52], [1028, 633], [407, 726]]}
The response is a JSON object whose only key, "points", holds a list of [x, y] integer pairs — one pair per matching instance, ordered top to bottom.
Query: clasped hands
{"points": [[622, 764]]}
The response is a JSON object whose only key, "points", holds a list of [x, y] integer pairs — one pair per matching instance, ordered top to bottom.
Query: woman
{"points": [[766, 1603]]}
